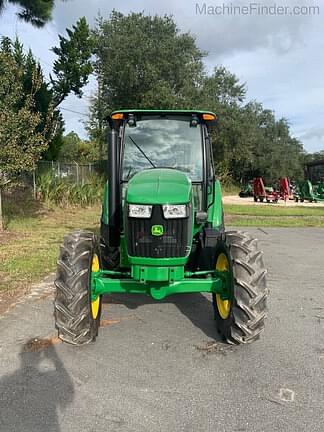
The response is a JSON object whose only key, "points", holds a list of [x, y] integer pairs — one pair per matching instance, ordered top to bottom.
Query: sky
{"points": [[276, 51]]}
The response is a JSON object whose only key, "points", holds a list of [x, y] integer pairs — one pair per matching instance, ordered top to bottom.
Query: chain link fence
{"points": [[71, 171], [75, 172], [28, 183]]}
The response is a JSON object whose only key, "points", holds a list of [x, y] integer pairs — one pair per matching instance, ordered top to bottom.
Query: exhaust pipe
{"points": [[113, 189]]}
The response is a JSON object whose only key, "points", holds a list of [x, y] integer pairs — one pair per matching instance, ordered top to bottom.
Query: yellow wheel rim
{"points": [[95, 267], [95, 304], [223, 306]]}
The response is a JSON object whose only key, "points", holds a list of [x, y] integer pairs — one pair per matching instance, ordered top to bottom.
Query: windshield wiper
{"points": [[139, 148]]}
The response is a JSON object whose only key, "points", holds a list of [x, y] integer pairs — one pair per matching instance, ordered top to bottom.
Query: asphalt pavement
{"points": [[160, 366]]}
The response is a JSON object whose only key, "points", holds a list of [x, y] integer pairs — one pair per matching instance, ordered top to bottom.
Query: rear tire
{"points": [[72, 304], [245, 321]]}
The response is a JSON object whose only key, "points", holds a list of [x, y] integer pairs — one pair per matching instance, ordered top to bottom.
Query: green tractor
{"points": [[306, 191], [162, 231]]}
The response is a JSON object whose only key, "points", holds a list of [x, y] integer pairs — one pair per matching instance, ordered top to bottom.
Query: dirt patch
{"points": [[235, 199], [7, 237], [108, 322], [40, 344], [214, 348]]}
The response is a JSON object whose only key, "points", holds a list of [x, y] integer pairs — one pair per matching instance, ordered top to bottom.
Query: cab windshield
{"points": [[163, 143]]}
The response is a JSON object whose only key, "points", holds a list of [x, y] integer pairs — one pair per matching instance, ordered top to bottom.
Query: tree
{"points": [[36, 12], [146, 62], [157, 65], [73, 66], [71, 72], [223, 93], [51, 121], [95, 125], [248, 141], [21, 145], [74, 149]]}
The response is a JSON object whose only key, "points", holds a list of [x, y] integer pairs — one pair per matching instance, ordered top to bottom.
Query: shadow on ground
{"points": [[196, 307], [31, 397]]}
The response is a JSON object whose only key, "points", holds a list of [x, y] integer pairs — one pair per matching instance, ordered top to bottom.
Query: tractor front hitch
{"points": [[109, 282]]}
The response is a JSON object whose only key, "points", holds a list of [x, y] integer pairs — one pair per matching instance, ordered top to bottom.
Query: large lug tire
{"points": [[72, 305], [248, 305]]}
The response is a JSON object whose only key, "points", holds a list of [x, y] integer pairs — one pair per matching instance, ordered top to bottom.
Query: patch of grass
{"points": [[230, 189], [274, 216], [32, 251]]}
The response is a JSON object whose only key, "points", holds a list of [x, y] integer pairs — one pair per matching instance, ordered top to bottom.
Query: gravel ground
{"points": [[160, 366]]}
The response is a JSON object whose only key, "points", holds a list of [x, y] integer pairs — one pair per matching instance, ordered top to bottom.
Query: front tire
{"points": [[73, 309], [244, 321]]}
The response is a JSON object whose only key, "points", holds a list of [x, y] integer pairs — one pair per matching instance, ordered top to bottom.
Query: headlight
{"points": [[139, 211], [175, 211]]}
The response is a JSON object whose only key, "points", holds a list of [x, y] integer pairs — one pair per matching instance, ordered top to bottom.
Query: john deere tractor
{"points": [[162, 231]]}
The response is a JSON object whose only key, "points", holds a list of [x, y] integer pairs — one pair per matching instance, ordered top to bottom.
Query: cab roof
{"points": [[166, 111]]}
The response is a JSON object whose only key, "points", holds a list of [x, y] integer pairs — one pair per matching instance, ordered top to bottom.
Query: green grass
{"points": [[230, 189], [273, 216], [33, 235]]}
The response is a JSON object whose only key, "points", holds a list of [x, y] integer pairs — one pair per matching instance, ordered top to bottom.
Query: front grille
{"points": [[175, 241]]}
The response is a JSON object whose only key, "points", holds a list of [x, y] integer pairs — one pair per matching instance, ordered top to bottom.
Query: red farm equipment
{"points": [[285, 191], [261, 192]]}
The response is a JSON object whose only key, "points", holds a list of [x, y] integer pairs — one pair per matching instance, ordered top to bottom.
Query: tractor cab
{"points": [[173, 141], [160, 174]]}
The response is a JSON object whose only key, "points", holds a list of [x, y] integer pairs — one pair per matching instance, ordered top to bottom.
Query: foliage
{"points": [[36, 12], [156, 65], [73, 66], [159, 67], [71, 71], [51, 121], [248, 141], [21, 143], [74, 149], [311, 157], [64, 193]]}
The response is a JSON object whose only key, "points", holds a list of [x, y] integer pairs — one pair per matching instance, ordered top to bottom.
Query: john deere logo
{"points": [[157, 230]]}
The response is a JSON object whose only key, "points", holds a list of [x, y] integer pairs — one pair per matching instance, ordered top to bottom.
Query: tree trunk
{"points": [[1, 214]]}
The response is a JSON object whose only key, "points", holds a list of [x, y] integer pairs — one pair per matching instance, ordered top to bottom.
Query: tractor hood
{"points": [[159, 186]]}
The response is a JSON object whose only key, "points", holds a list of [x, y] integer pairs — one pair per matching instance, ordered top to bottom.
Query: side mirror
{"points": [[131, 120], [194, 121]]}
